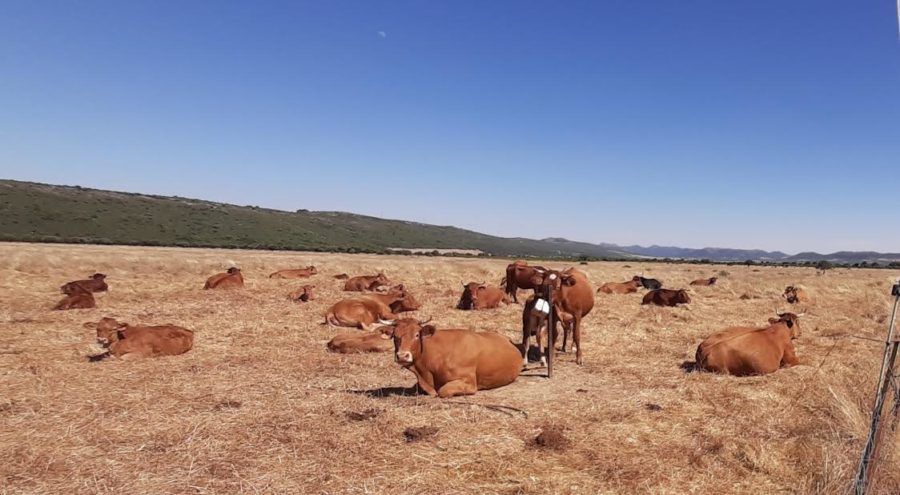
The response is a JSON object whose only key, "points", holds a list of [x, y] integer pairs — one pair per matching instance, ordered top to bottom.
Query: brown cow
{"points": [[296, 273], [342, 276], [521, 276], [230, 279], [705, 281], [366, 282], [97, 283], [620, 287], [303, 294], [795, 294], [480, 296], [666, 297], [78, 298], [573, 299], [406, 301], [363, 311], [127, 342], [351, 343], [744, 351], [450, 362]]}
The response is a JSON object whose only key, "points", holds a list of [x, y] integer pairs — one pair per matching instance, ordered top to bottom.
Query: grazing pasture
{"points": [[259, 405]]}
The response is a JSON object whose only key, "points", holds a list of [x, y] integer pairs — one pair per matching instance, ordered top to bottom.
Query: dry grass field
{"points": [[260, 406]]}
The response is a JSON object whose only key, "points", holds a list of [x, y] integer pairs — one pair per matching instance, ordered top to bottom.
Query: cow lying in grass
{"points": [[228, 280], [97, 283], [78, 298], [128, 342], [351, 343], [743, 351], [451, 362]]}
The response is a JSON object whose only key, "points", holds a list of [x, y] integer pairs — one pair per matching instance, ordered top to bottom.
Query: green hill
{"points": [[46, 213]]}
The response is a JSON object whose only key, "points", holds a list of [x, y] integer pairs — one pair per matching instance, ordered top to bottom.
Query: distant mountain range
{"points": [[49, 213]]}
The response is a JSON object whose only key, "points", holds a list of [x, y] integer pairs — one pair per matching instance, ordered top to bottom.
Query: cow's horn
{"points": [[798, 315], [426, 321], [387, 322]]}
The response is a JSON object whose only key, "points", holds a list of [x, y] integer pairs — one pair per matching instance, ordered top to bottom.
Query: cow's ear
{"points": [[570, 281], [427, 330], [387, 331], [120, 334]]}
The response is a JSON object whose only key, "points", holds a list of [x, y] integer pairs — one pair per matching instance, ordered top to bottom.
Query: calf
{"points": [[296, 273], [228, 280], [705, 281], [366, 282], [97, 283], [648, 283], [619, 287], [303, 294], [480, 296], [666, 297], [78, 298], [363, 311], [127, 342], [351, 343], [744, 351], [450, 362]]}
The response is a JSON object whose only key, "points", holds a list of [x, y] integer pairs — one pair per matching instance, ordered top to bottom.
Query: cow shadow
{"points": [[390, 392]]}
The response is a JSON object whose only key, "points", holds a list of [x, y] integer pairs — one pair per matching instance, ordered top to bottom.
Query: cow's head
{"points": [[234, 270], [312, 270], [98, 276], [636, 278], [712, 280], [790, 294], [470, 295], [682, 297], [405, 298], [790, 320], [108, 330], [409, 336]]}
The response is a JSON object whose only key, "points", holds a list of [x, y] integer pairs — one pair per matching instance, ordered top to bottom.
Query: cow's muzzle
{"points": [[404, 357]]}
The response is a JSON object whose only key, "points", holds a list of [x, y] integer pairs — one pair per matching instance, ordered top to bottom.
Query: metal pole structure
{"points": [[550, 328], [867, 461]]}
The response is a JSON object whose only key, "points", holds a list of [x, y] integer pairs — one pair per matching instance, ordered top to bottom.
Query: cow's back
{"points": [[577, 299], [164, 340], [348, 343], [739, 351], [493, 359]]}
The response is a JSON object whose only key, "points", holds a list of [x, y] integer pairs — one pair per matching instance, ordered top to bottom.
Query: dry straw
{"points": [[259, 405]]}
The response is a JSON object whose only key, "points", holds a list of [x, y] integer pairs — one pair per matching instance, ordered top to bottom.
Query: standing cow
{"points": [[521, 276], [573, 299]]}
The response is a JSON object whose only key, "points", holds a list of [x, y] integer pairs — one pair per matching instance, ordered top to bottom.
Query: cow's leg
{"points": [[526, 336], [538, 337], [565, 337], [576, 338], [130, 356], [790, 357], [462, 386]]}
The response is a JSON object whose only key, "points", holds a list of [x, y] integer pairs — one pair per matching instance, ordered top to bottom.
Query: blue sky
{"points": [[764, 124]]}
